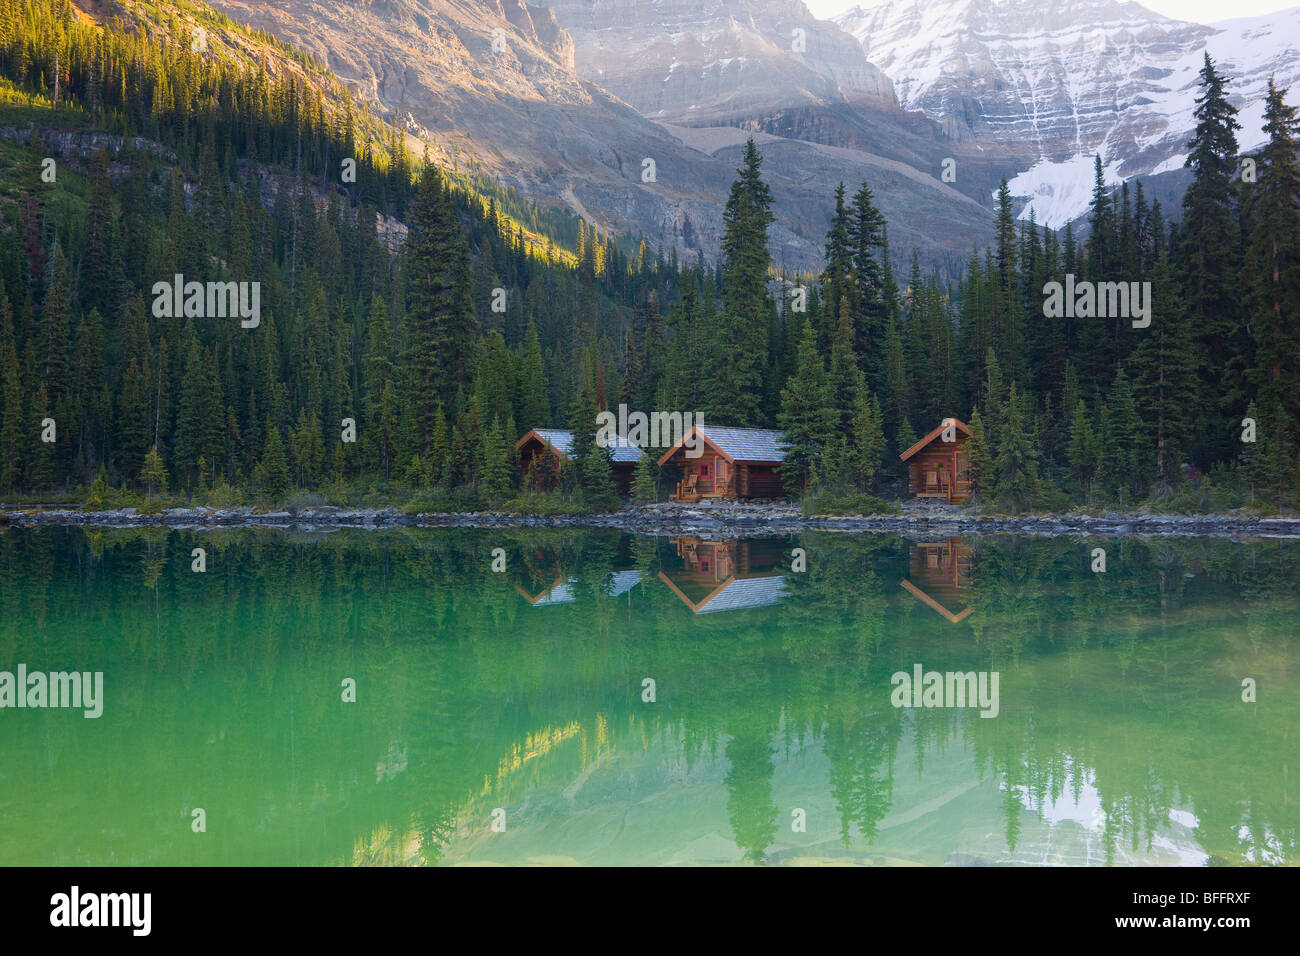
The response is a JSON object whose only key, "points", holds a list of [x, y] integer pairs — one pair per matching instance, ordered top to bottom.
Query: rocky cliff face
{"points": [[702, 61], [1055, 73], [1047, 84], [511, 87]]}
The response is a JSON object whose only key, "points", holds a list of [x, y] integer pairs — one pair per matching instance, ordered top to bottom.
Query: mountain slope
{"points": [[694, 62], [1046, 84], [528, 114]]}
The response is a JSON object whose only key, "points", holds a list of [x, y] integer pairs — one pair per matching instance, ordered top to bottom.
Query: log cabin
{"points": [[623, 457], [735, 463], [938, 466]]}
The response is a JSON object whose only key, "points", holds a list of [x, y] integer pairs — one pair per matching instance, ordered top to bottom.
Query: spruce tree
{"points": [[1210, 253], [1272, 267], [838, 279], [872, 298], [440, 321], [739, 354], [1165, 363], [534, 410], [808, 416], [381, 418], [132, 421], [12, 425], [867, 441], [1082, 451], [981, 457], [590, 461], [40, 462], [1015, 465], [1128, 466], [274, 467], [153, 474], [494, 476], [643, 481]]}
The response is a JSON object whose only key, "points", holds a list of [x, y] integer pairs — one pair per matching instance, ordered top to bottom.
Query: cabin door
{"points": [[723, 473], [705, 486]]}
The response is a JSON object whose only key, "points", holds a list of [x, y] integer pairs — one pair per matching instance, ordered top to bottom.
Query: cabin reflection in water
{"points": [[714, 576], [940, 576], [544, 583], [562, 591]]}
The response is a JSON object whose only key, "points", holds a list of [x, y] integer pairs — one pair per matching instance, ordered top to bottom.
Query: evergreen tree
{"points": [[1210, 250], [1272, 267], [838, 280], [873, 294], [1008, 318], [440, 320], [740, 351], [1165, 364], [847, 385], [534, 409], [381, 416], [808, 416], [12, 426], [132, 432], [867, 441], [1082, 452], [589, 461], [40, 463], [274, 466], [1015, 466], [1127, 466], [153, 474], [494, 477], [982, 477], [643, 481]]}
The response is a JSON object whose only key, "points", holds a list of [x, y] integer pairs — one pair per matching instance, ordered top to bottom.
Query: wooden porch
{"points": [[940, 484], [695, 488]]}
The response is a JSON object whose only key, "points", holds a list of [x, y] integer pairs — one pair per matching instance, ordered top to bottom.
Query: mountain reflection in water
{"points": [[1122, 736]]}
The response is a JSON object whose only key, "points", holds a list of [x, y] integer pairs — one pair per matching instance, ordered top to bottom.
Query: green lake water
{"points": [[503, 717]]}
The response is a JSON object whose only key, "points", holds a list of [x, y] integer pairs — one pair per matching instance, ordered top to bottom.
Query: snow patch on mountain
{"points": [[1051, 83], [1059, 190]]}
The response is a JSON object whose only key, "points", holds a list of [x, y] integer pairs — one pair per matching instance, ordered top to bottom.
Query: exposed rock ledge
{"points": [[713, 520]]}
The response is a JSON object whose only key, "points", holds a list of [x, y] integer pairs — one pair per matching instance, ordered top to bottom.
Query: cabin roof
{"points": [[961, 426], [739, 444], [623, 452], [746, 592], [734, 593], [931, 602]]}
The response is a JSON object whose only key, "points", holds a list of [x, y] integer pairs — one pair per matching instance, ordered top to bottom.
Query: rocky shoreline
{"points": [[713, 520]]}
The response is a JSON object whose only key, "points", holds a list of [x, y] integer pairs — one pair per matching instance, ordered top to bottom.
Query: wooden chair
{"points": [[931, 483], [688, 486]]}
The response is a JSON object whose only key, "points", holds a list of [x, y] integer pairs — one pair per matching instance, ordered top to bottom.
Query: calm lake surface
{"points": [[520, 699]]}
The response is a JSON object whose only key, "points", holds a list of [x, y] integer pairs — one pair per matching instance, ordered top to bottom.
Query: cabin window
{"points": [[704, 469]]}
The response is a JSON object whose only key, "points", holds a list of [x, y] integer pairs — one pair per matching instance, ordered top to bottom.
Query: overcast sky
{"points": [[1200, 11]]}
